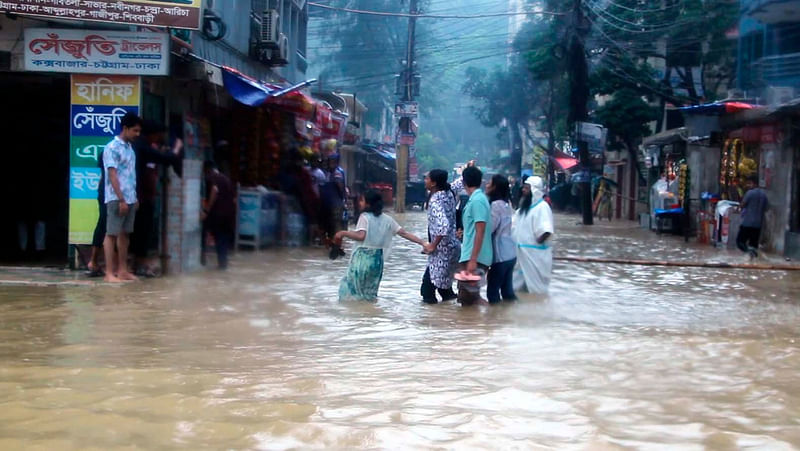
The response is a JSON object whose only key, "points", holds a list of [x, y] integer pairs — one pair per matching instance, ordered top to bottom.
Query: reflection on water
{"points": [[265, 357]]}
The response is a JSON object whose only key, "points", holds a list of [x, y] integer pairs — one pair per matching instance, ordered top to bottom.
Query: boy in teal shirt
{"points": [[476, 250]]}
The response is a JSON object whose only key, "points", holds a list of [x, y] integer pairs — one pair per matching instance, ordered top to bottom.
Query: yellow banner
{"points": [[120, 90]]}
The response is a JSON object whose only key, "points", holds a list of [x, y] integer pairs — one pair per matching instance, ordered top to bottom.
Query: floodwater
{"points": [[265, 357]]}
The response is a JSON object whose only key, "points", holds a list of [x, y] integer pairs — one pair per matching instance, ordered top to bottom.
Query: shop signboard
{"points": [[154, 13], [96, 52], [98, 104], [406, 109], [593, 134], [407, 139], [766, 167], [413, 169], [610, 171]]}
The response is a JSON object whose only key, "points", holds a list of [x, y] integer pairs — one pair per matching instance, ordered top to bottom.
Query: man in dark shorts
{"points": [[151, 151], [119, 160], [753, 206], [219, 214], [100, 229]]}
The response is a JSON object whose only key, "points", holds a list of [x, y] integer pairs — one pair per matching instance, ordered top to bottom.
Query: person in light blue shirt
{"points": [[119, 160], [476, 249], [500, 280]]}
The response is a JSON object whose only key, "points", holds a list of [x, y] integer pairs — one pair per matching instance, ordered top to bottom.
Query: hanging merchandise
{"points": [[729, 167], [683, 183]]}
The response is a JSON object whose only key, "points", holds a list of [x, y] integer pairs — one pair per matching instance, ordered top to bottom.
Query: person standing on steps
{"points": [[151, 151], [119, 160], [219, 214]]}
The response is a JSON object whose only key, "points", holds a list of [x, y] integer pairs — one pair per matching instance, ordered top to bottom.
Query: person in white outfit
{"points": [[532, 232]]}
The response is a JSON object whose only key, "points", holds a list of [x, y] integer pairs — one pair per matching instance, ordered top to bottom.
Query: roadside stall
{"points": [[668, 178]]}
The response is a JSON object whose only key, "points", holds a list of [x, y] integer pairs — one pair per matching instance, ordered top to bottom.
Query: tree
{"points": [[686, 41], [363, 52], [504, 97], [626, 115], [431, 154]]}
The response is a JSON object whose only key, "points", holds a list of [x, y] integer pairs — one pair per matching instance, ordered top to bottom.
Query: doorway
{"points": [[34, 122]]}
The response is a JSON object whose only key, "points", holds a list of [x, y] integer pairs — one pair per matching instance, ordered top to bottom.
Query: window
{"points": [[302, 34], [787, 38]]}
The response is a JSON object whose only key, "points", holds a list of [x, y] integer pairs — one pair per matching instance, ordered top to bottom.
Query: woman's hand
{"points": [[337, 239], [428, 248]]}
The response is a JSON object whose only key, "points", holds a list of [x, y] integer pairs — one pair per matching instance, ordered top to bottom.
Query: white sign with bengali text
{"points": [[96, 52]]}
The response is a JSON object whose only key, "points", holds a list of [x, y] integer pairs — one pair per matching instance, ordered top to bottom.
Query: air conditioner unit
{"points": [[270, 30], [276, 56], [280, 56], [778, 95]]}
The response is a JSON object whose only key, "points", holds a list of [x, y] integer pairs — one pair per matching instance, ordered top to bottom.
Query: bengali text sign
{"points": [[163, 13], [96, 52], [98, 104]]}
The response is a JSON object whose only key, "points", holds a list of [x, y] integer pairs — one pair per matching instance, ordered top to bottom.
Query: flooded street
{"points": [[265, 357]]}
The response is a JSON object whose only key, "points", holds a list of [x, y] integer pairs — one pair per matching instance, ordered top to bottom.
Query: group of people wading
{"points": [[496, 247]]}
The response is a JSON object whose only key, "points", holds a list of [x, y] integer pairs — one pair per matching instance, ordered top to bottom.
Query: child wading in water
{"points": [[374, 232]]}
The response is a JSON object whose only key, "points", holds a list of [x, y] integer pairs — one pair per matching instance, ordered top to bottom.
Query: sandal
{"points": [[146, 272], [94, 273]]}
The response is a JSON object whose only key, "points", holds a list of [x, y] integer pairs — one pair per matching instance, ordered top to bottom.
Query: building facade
{"points": [[769, 50], [68, 74]]}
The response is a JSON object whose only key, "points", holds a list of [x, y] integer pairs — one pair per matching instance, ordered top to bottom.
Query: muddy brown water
{"points": [[265, 357]]}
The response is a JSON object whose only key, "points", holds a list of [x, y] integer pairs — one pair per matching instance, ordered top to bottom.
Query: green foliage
{"points": [[653, 46], [636, 49], [364, 52], [626, 115], [430, 154]]}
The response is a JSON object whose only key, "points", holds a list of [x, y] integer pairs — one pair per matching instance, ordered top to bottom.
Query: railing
{"points": [[777, 67]]}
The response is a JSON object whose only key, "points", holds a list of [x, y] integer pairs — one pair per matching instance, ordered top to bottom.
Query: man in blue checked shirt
{"points": [[119, 160]]}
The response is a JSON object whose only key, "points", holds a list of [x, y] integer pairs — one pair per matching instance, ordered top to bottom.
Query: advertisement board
{"points": [[156, 13], [96, 52], [98, 104], [406, 109], [593, 134]]}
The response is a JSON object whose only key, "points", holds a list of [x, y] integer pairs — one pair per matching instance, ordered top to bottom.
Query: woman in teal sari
{"points": [[373, 233]]}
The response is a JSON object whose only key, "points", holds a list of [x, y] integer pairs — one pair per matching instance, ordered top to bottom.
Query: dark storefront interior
{"points": [[35, 130]]}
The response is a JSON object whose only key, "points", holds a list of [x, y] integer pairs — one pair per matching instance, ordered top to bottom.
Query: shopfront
{"points": [[63, 102], [36, 136], [669, 181]]}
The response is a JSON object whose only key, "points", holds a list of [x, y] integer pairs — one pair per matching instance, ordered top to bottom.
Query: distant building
{"points": [[768, 64]]}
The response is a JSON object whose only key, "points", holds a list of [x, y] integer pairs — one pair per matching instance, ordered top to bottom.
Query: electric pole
{"points": [[578, 105], [405, 127]]}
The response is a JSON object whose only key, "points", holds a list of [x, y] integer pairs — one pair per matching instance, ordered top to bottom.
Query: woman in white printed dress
{"points": [[444, 247]]}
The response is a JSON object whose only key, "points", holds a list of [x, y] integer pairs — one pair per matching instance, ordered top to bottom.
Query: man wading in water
{"points": [[119, 161], [476, 250]]}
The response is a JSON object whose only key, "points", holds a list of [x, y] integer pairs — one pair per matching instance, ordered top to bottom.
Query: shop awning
{"points": [[249, 91], [293, 101], [718, 108], [331, 123], [667, 137], [380, 151], [386, 154], [565, 163]]}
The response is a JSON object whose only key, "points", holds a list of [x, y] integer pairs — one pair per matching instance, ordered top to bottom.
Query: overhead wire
{"points": [[436, 16]]}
